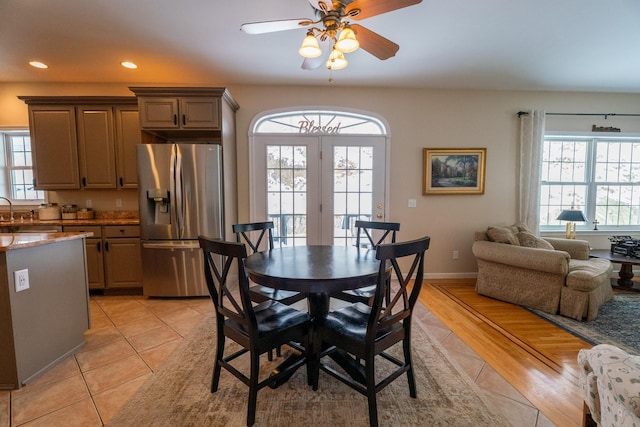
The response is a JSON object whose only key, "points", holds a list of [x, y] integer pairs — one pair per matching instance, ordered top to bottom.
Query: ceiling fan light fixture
{"points": [[347, 41], [310, 47], [336, 60]]}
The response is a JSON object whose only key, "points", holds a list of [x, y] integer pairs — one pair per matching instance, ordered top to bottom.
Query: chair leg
{"points": [[406, 345], [270, 355], [215, 378], [253, 388], [371, 391]]}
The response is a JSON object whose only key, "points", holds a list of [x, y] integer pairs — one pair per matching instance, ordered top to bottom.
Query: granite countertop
{"points": [[101, 218], [96, 221], [12, 241]]}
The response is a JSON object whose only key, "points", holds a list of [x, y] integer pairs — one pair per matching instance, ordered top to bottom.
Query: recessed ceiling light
{"points": [[38, 64], [128, 64]]}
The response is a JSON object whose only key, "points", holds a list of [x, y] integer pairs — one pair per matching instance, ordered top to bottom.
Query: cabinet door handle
{"points": [[175, 119], [184, 119], [84, 181], [121, 182], [98, 245], [106, 246]]}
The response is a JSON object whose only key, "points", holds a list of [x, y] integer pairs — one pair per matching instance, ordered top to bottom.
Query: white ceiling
{"points": [[574, 45]]}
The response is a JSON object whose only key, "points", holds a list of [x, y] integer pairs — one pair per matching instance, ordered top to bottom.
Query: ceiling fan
{"points": [[335, 33]]}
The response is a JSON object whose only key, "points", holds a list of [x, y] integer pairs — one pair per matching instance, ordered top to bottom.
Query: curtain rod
{"points": [[525, 113]]}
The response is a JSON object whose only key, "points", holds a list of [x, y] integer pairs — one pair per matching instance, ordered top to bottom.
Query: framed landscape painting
{"points": [[454, 170]]}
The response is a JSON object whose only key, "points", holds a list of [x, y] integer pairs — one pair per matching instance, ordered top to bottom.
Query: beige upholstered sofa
{"points": [[552, 275]]}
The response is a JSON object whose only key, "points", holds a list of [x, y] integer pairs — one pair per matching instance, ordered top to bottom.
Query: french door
{"points": [[314, 187]]}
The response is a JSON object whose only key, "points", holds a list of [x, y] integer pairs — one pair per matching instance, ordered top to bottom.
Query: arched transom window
{"points": [[319, 122]]}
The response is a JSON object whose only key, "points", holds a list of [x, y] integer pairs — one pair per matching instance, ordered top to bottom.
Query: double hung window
{"points": [[599, 175], [17, 179]]}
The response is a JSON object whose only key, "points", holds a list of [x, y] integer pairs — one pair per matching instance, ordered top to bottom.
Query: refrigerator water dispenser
{"points": [[159, 198]]}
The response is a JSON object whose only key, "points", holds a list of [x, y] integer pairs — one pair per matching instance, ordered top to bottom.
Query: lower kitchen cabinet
{"points": [[113, 256]]}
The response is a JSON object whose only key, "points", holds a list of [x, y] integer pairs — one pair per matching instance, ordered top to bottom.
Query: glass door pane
{"points": [[354, 178], [286, 191]]}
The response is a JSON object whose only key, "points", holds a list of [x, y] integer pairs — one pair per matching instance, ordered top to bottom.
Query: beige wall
{"points": [[417, 119]]}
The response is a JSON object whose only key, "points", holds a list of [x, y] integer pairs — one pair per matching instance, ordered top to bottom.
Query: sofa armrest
{"points": [[577, 249], [547, 260]]}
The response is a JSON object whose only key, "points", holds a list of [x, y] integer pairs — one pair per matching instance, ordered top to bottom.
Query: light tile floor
{"points": [[130, 338]]}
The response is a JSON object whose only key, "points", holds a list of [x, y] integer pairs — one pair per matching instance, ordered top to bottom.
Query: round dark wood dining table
{"points": [[318, 272]]}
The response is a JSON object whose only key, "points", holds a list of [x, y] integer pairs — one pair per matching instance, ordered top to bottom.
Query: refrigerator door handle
{"points": [[179, 193], [171, 245]]}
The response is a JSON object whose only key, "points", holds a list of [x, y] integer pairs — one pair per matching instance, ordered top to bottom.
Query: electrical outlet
{"points": [[87, 203], [118, 203], [412, 203], [455, 254], [22, 279]]}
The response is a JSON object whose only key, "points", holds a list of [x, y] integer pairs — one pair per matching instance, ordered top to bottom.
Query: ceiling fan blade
{"points": [[328, 4], [369, 8], [272, 26], [374, 43]]}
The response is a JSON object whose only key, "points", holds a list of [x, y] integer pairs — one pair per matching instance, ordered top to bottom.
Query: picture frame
{"points": [[454, 170]]}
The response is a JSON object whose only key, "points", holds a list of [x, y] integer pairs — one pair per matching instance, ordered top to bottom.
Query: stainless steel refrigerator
{"points": [[180, 187]]}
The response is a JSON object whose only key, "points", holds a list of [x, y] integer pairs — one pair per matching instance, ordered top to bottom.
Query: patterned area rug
{"points": [[616, 323], [178, 394]]}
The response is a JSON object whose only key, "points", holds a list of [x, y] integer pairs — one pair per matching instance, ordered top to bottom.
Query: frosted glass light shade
{"points": [[347, 41], [310, 47], [336, 60]]}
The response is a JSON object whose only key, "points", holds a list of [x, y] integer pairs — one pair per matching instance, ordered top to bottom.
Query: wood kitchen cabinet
{"points": [[179, 113], [127, 137], [84, 142], [96, 146], [54, 147], [113, 256], [122, 256]]}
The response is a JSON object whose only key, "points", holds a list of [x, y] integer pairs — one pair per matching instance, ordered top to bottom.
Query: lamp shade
{"points": [[347, 41], [310, 47], [336, 60], [572, 215]]}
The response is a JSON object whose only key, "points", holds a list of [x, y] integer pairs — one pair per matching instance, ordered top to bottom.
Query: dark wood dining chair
{"points": [[365, 229], [259, 236], [257, 329], [367, 331]]}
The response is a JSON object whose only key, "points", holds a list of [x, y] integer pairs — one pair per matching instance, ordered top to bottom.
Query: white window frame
{"points": [[6, 184], [588, 205]]}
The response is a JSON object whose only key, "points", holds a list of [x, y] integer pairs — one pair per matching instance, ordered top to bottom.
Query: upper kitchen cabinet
{"points": [[184, 112], [179, 113], [127, 137], [84, 142], [54, 146], [96, 146]]}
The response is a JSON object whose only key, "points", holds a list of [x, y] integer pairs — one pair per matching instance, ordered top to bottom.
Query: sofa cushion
{"points": [[506, 235], [529, 240], [586, 275]]}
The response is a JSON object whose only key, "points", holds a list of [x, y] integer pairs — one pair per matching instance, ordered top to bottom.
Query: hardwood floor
{"points": [[538, 358]]}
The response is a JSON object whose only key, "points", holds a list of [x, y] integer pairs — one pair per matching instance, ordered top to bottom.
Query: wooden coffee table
{"points": [[626, 270]]}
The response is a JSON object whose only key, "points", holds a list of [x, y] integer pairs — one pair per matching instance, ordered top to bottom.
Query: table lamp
{"points": [[571, 216]]}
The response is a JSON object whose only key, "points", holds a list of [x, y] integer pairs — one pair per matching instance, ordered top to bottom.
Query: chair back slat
{"points": [[365, 227], [245, 232], [220, 257], [386, 312]]}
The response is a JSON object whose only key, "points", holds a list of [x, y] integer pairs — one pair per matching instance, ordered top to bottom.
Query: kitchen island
{"points": [[44, 302]]}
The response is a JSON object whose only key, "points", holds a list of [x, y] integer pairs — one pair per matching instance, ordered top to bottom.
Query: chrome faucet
{"points": [[10, 207]]}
